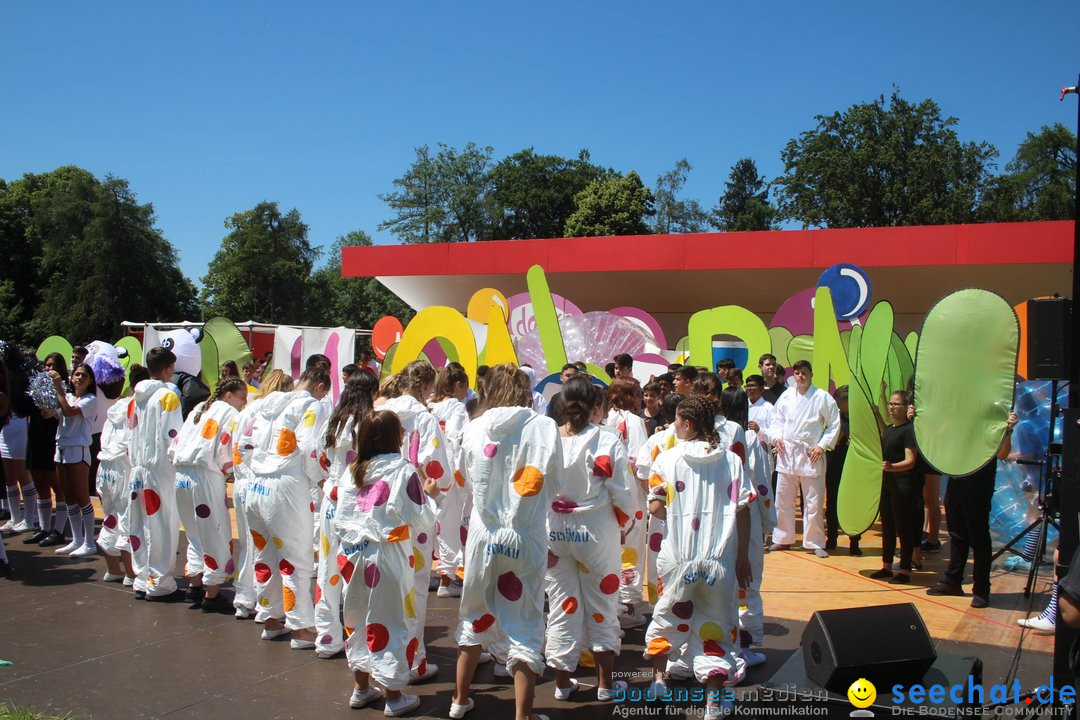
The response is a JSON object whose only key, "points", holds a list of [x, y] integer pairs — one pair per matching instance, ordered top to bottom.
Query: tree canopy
{"points": [[882, 163], [1039, 183], [745, 203], [612, 206], [674, 214], [81, 255], [261, 272], [350, 301]]}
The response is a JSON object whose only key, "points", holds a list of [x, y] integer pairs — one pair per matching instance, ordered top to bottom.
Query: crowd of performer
{"points": [[622, 506]]}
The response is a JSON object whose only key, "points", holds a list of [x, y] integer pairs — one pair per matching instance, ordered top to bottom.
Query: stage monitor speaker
{"points": [[1049, 338], [886, 644]]}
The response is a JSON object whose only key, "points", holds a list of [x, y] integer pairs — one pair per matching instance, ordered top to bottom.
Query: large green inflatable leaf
{"points": [[780, 338], [229, 341], [57, 344], [134, 355], [874, 355], [902, 356], [830, 360], [211, 366], [965, 372], [860, 483]]}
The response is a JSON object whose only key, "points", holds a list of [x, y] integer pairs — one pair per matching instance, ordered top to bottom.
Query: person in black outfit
{"points": [[774, 377], [554, 408], [834, 469], [901, 492], [967, 511]]}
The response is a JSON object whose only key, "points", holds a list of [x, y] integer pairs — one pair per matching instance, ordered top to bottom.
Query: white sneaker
{"points": [[7, 527], [19, 527], [68, 549], [84, 551], [111, 577], [128, 582], [448, 591], [242, 613], [1039, 624], [268, 634], [298, 644], [325, 653], [752, 658], [499, 670], [678, 670], [431, 671], [565, 693], [605, 694], [363, 698], [402, 705], [459, 711]]}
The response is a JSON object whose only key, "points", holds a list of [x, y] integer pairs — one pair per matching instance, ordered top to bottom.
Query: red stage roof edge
{"points": [[934, 245]]}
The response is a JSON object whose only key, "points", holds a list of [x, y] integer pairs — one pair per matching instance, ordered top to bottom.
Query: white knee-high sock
{"points": [[30, 497], [13, 503], [44, 513], [75, 518], [60, 520], [89, 539]]}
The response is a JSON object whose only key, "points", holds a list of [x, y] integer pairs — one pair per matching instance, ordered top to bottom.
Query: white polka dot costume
{"points": [[631, 430], [425, 447], [203, 458], [510, 459], [114, 480], [702, 491], [596, 497], [278, 504], [450, 516], [762, 522], [155, 525], [374, 525], [657, 529], [244, 580]]}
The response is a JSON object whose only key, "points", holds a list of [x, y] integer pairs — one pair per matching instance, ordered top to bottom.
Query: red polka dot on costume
{"points": [[225, 438], [490, 449], [739, 449], [602, 467], [434, 469], [334, 494], [151, 501], [311, 506], [202, 510], [639, 515], [109, 522], [463, 533], [655, 540], [136, 543], [553, 559], [209, 562], [286, 567], [345, 567], [263, 572], [372, 575], [610, 584], [509, 586], [318, 593], [570, 605], [683, 610], [483, 623], [683, 627], [377, 637], [713, 649], [410, 651]]}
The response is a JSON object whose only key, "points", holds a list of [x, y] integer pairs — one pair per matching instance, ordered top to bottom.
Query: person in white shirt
{"points": [[77, 413], [805, 424]]}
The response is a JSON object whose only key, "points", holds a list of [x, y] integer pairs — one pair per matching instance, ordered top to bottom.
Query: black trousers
{"points": [[95, 448], [834, 468], [967, 505], [901, 509]]}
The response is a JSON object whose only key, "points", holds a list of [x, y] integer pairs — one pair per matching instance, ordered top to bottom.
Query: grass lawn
{"points": [[11, 711]]}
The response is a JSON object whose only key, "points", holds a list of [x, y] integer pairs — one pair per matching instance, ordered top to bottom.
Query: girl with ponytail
{"points": [[204, 461], [704, 496], [596, 499]]}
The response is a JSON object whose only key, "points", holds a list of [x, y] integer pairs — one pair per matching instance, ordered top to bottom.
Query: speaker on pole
{"points": [[1049, 338], [886, 644]]}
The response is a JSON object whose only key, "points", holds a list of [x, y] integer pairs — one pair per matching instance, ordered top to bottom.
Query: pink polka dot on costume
{"points": [[133, 422], [172, 433], [490, 449], [350, 457], [227, 467], [679, 486], [415, 490], [762, 490], [733, 492], [373, 495], [563, 506], [202, 511], [110, 522], [695, 524], [438, 528], [463, 533], [422, 538], [655, 541], [136, 543], [553, 559], [230, 567], [286, 567], [372, 575], [509, 586], [683, 610], [326, 639]]}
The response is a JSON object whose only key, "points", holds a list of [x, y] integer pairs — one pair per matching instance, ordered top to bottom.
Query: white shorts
{"points": [[13, 439], [72, 455]]}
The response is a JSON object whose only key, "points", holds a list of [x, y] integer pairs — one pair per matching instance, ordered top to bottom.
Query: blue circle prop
{"points": [[850, 288]]}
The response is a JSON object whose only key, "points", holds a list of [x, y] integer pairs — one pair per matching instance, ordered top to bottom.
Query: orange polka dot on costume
{"points": [[170, 402], [209, 429], [286, 444], [237, 458], [459, 479], [528, 481], [621, 517], [401, 532], [259, 540], [345, 567], [335, 580], [610, 584], [742, 594], [289, 598], [570, 605], [597, 617], [349, 631], [377, 637], [658, 646]]}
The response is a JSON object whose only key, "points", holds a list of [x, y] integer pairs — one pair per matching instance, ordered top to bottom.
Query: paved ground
{"points": [[83, 646]]}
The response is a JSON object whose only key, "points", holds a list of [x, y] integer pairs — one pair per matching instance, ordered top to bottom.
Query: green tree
{"points": [[883, 163], [1040, 181], [532, 195], [442, 198], [745, 203], [616, 205], [672, 214], [81, 255], [261, 272], [352, 301]]}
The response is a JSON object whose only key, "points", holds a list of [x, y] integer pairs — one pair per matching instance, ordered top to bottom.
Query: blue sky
{"points": [[209, 108]]}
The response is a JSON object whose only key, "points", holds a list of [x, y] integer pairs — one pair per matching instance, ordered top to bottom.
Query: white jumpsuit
{"points": [[802, 420], [631, 430], [425, 447], [203, 457], [510, 458], [334, 462], [114, 480], [702, 490], [596, 497], [280, 513], [450, 517], [762, 522], [155, 525], [373, 526], [657, 529], [244, 580]]}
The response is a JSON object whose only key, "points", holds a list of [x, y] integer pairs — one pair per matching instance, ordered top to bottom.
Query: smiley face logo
{"points": [[862, 693]]}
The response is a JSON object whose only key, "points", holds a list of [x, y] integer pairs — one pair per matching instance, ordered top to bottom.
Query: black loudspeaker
{"points": [[1049, 338], [1068, 490], [886, 644]]}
